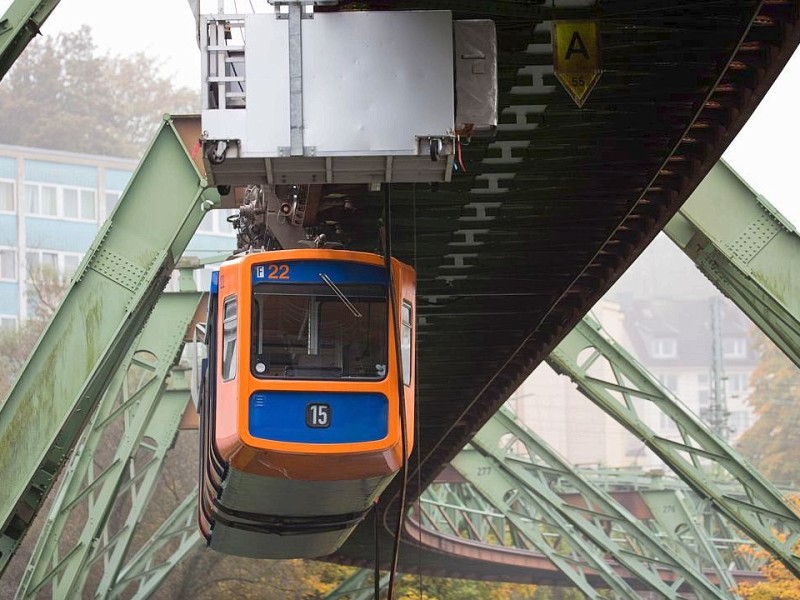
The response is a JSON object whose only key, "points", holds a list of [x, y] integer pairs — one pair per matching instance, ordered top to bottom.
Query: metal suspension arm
{"points": [[18, 27], [748, 250], [112, 294], [620, 386], [137, 403], [597, 516], [148, 567]]}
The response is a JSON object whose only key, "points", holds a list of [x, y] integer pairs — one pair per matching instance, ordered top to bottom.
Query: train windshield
{"points": [[319, 331]]}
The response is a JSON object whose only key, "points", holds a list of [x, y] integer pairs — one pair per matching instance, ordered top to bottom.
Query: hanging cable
{"points": [[387, 248], [417, 438], [376, 576]]}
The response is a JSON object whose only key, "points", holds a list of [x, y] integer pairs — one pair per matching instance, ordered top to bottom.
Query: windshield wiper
{"points": [[350, 306]]}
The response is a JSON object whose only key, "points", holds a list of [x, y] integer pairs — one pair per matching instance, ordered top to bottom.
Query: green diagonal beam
{"points": [[19, 25], [748, 250], [112, 294], [620, 386], [141, 411], [634, 547], [575, 556], [148, 568], [359, 586]]}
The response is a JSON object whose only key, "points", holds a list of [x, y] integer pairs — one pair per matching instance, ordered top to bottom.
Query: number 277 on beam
{"points": [[576, 57]]}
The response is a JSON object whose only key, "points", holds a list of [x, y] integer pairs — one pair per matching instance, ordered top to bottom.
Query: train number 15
{"points": [[318, 416]]}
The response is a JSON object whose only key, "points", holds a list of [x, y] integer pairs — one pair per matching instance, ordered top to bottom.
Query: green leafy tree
{"points": [[61, 94], [772, 442], [437, 588]]}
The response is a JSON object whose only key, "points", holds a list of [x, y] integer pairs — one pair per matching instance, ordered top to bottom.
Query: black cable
{"points": [[387, 247], [417, 436], [377, 573]]}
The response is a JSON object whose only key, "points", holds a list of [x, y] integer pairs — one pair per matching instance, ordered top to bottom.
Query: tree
{"points": [[62, 95], [46, 288], [772, 442], [780, 584], [436, 588]]}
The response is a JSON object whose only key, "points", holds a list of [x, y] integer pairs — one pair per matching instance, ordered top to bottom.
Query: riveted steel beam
{"points": [[20, 23], [748, 250], [112, 294], [620, 386], [141, 421], [528, 462], [524, 463], [148, 567], [359, 586]]}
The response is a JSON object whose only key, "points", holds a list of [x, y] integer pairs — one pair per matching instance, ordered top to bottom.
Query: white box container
{"points": [[375, 85]]}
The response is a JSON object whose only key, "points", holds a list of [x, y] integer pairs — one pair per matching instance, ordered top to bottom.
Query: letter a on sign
{"points": [[576, 57]]}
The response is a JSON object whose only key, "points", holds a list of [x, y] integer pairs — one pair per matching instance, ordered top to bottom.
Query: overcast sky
{"points": [[764, 154]]}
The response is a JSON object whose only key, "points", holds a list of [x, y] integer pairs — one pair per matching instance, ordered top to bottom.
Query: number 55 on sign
{"points": [[576, 57]]}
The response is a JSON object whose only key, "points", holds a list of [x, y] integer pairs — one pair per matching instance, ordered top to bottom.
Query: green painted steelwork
{"points": [[19, 25], [748, 250], [113, 292], [620, 386], [145, 424], [512, 460], [544, 527], [149, 567], [359, 586]]}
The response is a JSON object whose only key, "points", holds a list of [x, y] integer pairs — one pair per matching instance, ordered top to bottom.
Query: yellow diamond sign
{"points": [[576, 57]]}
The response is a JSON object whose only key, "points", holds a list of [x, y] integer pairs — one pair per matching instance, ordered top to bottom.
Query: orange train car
{"points": [[310, 361]]}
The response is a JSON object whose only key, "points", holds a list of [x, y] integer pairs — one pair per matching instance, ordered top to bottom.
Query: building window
{"points": [[32, 198], [112, 198], [48, 201], [61, 201], [7, 203], [216, 221], [63, 263], [8, 264], [8, 322], [229, 322], [406, 335], [664, 348], [734, 348], [669, 381], [737, 384], [703, 391], [739, 421]]}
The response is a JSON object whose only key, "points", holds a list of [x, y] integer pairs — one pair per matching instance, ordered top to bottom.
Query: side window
{"points": [[229, 339], [405, 342]]}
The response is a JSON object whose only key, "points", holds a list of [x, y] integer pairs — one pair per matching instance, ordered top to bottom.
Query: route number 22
{"points": [[274, 271]]}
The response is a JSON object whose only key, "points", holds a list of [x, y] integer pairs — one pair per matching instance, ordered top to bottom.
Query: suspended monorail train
{"points": [[307, 401]]}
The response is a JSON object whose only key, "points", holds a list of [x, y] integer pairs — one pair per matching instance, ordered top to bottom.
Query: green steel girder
{"points": [[19, 25], [748, 250], [112, 294], [612, 379], [133, 404], [162, 429], [528, 463], [682, 516], [544, 527], [685, 536], [149, 567], [359, 586]]}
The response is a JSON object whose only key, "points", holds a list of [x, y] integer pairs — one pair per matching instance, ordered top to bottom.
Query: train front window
{"points": [[319, 331]]}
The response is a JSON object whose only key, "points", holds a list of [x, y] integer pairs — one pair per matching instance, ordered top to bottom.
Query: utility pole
{"points": [[716, 414]]}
